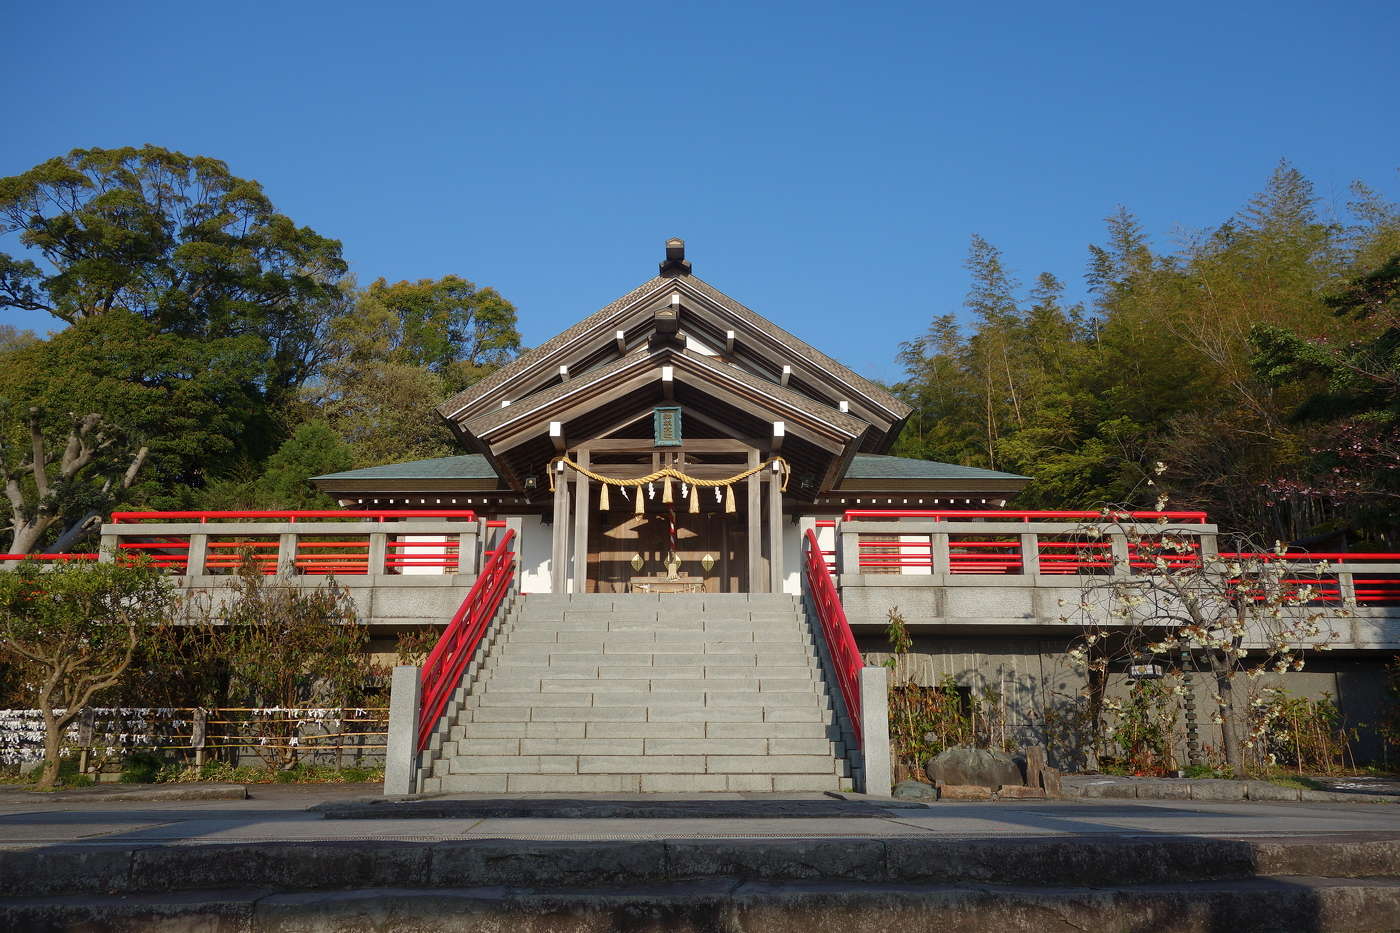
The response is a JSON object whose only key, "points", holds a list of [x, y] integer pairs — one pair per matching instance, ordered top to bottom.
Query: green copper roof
{"points": [[466, 466], [864, 466], [876, 466]]}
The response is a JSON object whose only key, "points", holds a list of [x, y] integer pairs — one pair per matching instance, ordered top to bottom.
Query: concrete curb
{"points": [[1208, 789], [137, 793], [100, 869], [1282, 903]]}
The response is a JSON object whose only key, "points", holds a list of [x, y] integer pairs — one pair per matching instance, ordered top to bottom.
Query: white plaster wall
{"points": [[536, 544], [427, 552], [792, 559]]}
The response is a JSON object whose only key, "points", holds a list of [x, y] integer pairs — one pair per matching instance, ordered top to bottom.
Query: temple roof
{"points": [[473, 468]]}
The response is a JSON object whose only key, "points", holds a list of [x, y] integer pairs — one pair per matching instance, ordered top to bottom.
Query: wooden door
{"points": [[615, 542]]}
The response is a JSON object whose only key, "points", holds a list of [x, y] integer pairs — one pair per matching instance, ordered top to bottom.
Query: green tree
{"points": [[178, 240], [109, 411], [312, 451], [75, 629]]}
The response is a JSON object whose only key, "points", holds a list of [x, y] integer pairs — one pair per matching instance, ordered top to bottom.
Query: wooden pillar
{"points": [[581, 526], [775, 531], [559, 532], [755, 534]]}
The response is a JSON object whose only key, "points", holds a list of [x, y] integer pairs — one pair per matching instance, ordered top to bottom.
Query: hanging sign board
{"points": [[666, 426]]}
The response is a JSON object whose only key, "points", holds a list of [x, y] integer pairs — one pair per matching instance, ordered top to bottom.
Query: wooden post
{"points": [[581, 525], [775, 530], [755, 534], [559, 552], [86, 722], [198, 732], [1035, 764]]}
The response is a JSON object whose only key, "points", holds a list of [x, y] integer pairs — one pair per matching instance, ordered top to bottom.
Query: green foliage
{"points": [[175, 239], [1210, 358], [312, 451], [75, 629], [284, 647], [1143, 728], [1299, 733], [224, 773]]}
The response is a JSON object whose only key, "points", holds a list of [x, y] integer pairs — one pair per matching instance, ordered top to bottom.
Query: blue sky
{"points": [[826, 163]]}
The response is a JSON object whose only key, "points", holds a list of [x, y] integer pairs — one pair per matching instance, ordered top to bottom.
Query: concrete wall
{"points": [[398, 601], [1041, 686]]}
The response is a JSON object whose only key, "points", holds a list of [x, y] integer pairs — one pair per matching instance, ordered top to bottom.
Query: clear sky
{"points": [[826, 163]]}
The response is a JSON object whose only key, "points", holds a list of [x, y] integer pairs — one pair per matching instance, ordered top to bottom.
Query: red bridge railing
{"points": [[288, 515], [840, 641], [442, 671]]}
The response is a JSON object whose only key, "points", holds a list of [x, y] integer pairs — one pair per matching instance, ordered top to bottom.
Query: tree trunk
{"points": [[1229, 730], [53, 745]]}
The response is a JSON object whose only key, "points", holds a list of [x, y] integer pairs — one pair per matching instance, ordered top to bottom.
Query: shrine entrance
{"points": [[703, 527], [667, 552]]}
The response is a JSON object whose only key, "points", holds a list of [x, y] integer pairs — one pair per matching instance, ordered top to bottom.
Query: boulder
{"points": [[980, 766], [915, 790]]}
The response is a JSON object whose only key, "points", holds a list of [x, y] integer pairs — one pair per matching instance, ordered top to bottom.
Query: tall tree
{"points": [[176, 239]]}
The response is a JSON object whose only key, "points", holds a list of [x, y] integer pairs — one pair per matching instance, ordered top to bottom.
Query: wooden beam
{"points": [[621, 338], [729, 341], [563, 374], [787, 374], [668, 382], [779, 432], [556, 434], [699, 445], [581, 526], [775, 529], [755, 534], [559, 543]]}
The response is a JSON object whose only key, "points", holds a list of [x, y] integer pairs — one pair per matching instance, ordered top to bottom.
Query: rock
{"points": [[979, 766], [915, 790], [964, 792], [1020, 792]]}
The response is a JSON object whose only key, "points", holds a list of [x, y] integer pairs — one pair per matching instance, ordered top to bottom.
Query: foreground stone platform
{"points": [[276, 863]]}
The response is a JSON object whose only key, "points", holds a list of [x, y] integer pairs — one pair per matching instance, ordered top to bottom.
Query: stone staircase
{"points": [[639, 693]]}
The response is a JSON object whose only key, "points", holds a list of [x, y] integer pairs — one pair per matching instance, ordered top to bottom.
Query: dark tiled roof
{"points": [[466, 466], [864, 466], [874, 466]]}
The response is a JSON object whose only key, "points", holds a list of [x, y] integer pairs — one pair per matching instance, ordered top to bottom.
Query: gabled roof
{"points": [[707, 313]]}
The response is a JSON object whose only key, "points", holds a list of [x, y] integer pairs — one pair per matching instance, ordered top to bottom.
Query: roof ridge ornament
{"points": [[675, 264]]}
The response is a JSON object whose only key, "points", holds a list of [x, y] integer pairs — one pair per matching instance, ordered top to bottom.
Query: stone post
{"points": [[107, 549], [468, 550], [378, 552], [938, 553], [287, 554], [197, 555], [1030, 555], [875, 730], [401, 755]]}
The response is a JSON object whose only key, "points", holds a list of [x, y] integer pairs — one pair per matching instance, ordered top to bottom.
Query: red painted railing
{"points": [[289, 515], [1195, 518], [48, 558], [840, 642], [442, 672]]}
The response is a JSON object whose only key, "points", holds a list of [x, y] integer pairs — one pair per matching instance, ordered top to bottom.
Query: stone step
{"points": [[570, 670], [654, 684], [589, 714], [470, 731], [564, 763], [633, 783]]}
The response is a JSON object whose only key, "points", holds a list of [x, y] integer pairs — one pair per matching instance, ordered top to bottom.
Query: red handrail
{"points": [[290, 515], [1020, 516], [49, 557], [840, 641], [442, 672]]}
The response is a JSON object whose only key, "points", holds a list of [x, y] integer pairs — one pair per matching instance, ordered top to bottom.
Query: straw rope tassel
{"points": [[666, 491], [641, 496], [729, 498], [694, 499], [603, 503]]}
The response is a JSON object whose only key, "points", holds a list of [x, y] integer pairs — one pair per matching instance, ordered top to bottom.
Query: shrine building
{"points": [[672, 441]]}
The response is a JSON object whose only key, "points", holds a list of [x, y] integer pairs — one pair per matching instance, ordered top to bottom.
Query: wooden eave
{"points": [[707, 314]]}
